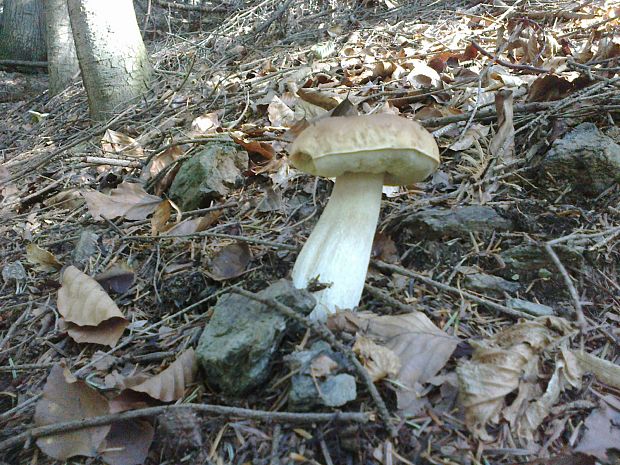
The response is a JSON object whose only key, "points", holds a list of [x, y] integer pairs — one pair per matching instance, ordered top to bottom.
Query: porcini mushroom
{"points": [[363, 153]]}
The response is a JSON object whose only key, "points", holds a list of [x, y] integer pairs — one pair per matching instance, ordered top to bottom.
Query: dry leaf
{"points": [[325, 100], [279, 113], [206, 124], [119, 143], [502, 145], [262, 148], [159, 163], [70, 199], [128, 200], [160, 217], [194, 225], [384, 248], [44, 260], [230, 261], [118, 278], [92, 316], [106, 333], [422, 348], [379, 361], [502, 364], [322, 366], [605, 371], [170, 384], [67, 399], [602, 430], [128, 442]]}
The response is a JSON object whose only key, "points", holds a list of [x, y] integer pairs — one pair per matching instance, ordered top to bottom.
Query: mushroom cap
{"points": [[379, 143]]}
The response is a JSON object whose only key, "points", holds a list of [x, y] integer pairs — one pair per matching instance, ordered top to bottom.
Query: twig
{"points": [[199, 8], [30, 64], [507, 64], [486, 113], [251, 240], [403, 271], [379, 294], [581, 321], [13, 328], [327, 335], [283, 417]]}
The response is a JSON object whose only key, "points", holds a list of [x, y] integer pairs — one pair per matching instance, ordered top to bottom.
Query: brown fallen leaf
{"points": [[323, 99], [279, 113], [206, 124], [119, 143], [264, 149], [70, 199], [128, 200], [160, 217], [194, 225], [384, 248], [44, 260], [229, 262], [119, 278], [91, 315], [322, 366], [605, 371], [170, 384], [67, 399], [602, 430], [128, 442]]}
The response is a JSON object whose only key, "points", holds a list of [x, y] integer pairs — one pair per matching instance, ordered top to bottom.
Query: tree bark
{"points": [[22, 36], [114, 63], [63, 64]]}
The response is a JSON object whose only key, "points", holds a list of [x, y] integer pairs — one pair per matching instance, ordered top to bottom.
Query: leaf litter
{"points": [[496, 84]]}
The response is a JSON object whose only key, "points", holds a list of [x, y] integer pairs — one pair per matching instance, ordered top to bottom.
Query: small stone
{"points": [[586, 159], [209, 174], [438, 223], [85, 248], [530, 257], [14, 271], [487, 283], [529, 307], [237, 345]]}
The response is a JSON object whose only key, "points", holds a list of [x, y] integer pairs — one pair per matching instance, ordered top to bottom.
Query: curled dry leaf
{"points": [[119, 143], [502, 145], [264, 149], [70, 199], [128, 200], [160, 217], [44, 260], [230, 261], [118, 278], [92, 316], [421, 347], [379, 361], [507, 362], [605, 371], [170, 384], [67, 399]]}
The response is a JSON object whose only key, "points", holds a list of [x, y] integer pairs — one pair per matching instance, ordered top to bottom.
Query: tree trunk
{"points": [[22, 34], [114, 63], [63, 64]]}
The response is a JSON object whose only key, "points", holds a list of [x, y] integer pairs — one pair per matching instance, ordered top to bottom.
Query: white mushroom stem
{"points": [[338, 250]]}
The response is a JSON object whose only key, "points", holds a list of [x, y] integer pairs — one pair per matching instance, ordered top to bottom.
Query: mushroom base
{"points": [[338, 250]]}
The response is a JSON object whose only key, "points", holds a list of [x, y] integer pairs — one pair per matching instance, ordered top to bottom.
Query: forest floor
{"points": [[498, 278]]}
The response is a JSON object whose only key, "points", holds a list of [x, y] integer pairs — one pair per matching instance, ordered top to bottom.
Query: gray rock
{"points": [[586, 159], [208, 175], [437, 223], [85, 248], [530, 257], [489, 284], [530, 307], [237, 345], [309, 391], [334, 391]]}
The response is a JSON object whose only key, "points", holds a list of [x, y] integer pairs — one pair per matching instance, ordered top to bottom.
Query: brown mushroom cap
{"points": [[380, 143]]}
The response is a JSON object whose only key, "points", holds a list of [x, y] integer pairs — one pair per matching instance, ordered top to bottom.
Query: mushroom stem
{"points": [[338, 250]]}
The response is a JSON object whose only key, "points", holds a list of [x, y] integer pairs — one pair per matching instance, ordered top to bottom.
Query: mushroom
{"points": [[363, 153]]}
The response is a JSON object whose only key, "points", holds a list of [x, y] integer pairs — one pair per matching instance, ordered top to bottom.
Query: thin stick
{"points": [[251, 240], [495, 306], [581, 321], [13, 328], [327, 335], [283, 417]]}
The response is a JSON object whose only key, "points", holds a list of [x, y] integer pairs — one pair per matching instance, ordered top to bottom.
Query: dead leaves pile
{"points": [[126, 442]]}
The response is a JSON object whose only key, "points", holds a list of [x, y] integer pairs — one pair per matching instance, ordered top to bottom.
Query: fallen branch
{"points": [[507, 64], [581, 321], [328, 336], [262, 415]]}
